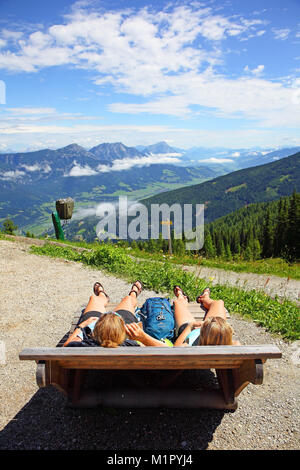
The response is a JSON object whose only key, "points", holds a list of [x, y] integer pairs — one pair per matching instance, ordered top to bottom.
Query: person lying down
{"points": [[122, 328], [111, 329]]}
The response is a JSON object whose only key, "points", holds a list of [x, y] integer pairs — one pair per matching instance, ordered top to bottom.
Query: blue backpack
{"points": [[157, 316]]}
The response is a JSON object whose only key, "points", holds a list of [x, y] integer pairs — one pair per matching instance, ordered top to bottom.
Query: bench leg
{"points": [[250, 372], [67, 381], [233, 381], [226, 383], [75, 385]]}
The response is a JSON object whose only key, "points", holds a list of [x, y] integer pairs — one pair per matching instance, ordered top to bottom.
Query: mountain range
{"points": [[31, 182], [221, 196]]}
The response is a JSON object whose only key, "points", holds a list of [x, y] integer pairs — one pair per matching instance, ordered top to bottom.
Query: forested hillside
{"points": [[233, 191], [259, 230]]}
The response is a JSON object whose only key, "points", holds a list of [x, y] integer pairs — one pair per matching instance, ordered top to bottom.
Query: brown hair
{"points": [[109, 330], [215, 331]]}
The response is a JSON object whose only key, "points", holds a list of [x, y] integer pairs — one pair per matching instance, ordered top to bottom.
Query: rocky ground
{"points": [[38, 297]]}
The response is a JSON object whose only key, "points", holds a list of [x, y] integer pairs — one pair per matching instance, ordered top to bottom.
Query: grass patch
{"points": [[3, 236], [272, 266], [282, 318]]}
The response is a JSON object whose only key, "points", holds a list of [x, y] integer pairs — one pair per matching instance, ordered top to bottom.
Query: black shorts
{"points": [[127, 316], [180, 330]]}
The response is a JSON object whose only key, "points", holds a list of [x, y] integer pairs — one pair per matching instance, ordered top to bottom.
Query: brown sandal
{"points": [[178, 288], [139, 289], [207, 289], [97, 291]]}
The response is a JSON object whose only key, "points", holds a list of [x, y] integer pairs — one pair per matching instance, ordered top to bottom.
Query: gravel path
{"points": [[283, 287], [38, 297]]}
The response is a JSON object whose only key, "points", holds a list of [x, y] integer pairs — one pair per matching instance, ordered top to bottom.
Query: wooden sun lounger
{"points": [[235, 366]]}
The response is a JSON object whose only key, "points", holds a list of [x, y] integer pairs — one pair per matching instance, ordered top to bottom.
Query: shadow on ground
{"points": [[47, 422]]}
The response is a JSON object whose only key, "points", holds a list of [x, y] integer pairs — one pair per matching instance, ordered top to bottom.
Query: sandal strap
{"points": [[139, 289], [101, 291], [136, 293], [183, 293], [202, 293]]}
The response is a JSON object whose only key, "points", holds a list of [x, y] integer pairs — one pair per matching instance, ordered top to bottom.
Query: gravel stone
{"points": [[38, 298]]}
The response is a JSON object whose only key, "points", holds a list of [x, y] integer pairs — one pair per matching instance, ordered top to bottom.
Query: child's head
{"points": [[109, 330], [215, 331]]}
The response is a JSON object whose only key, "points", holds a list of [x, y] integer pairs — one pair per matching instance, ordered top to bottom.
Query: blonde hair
{"points": [[109, 330], [215, 331]]}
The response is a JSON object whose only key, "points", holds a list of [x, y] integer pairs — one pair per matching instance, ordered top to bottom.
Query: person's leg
{"points": [[98, 300], [129, 302], [97, 303], [215, 308], [181, 309]]}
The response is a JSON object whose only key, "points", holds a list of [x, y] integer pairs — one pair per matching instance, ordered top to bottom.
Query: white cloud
{"points": [[281, 34], [11, 35], [123, 44], [169, 55], [257, 71], [268, 102], [31, 111], [24, 139], [152, 159], [216, 160], [125, 164], [43, 168], [78, 170], [11, 175]]}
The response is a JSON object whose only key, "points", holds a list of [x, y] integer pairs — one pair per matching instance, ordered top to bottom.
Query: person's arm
{"points": [[190, 326], [136, 333], [74, 336]]}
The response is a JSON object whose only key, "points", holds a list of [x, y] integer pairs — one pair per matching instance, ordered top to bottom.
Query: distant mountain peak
{"points": [[160, 147], [72, 148], [107, 152]]}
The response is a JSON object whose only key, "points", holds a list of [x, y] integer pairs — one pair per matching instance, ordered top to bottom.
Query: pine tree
{"points": [[9, 227], [293, 229], [280, 231], [236, 246], [209, 248], [221, 249], [256, 249], [267, 251], [248, 253], [228, 254]]}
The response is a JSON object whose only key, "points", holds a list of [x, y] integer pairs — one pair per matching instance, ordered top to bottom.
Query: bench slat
{"points": [[217, 352]]}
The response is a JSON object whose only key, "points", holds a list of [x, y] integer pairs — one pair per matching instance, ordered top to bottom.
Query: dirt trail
{"points": [[272, 285]]}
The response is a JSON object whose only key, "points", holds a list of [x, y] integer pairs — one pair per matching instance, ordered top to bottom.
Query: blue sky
{"points": [[208, 73]]}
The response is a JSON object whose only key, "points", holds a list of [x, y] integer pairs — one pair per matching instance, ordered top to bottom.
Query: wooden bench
{"points": [[235, 366]]}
